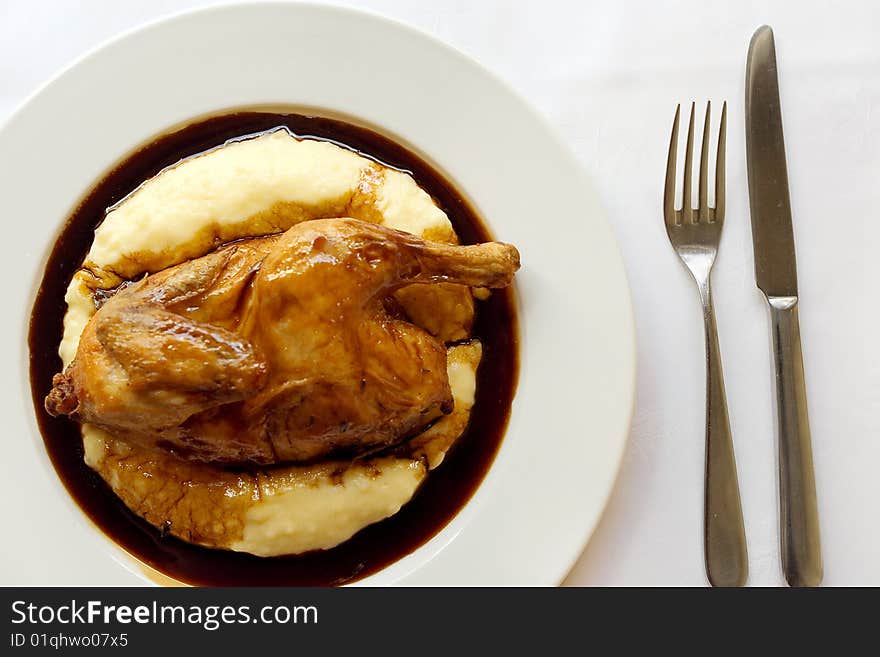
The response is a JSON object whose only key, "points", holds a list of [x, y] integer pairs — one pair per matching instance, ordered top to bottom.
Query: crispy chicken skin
{"points": [[275, 349]]}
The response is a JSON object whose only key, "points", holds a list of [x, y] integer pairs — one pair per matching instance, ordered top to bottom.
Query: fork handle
{"points": [[799, 516], [723, 531]]}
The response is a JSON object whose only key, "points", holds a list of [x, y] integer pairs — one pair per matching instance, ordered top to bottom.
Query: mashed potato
{"points": [[249, 188]]}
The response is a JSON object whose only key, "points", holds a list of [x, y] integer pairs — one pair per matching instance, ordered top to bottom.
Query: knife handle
{"points": [[799, 517]]}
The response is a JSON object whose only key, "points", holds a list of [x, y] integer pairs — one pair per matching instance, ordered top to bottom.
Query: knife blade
{"points": [[772, 235], [776, 276]]}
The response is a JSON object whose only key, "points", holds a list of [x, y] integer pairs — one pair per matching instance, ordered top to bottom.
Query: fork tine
{"points": [[719, 165], [669, 190], [703, 206], [687, 212]]}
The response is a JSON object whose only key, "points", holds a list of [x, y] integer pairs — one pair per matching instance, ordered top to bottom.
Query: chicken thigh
{"points": [[277, 349]]}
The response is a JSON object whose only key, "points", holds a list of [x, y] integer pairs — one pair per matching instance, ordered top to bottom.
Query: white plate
{"points": [[535, 510]]}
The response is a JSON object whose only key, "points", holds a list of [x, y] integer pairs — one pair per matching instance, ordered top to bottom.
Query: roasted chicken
{"points": [[278, 349]]}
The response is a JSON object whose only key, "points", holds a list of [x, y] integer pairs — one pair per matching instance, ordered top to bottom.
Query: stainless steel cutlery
{"points": [[694, 234], [776, 275]]}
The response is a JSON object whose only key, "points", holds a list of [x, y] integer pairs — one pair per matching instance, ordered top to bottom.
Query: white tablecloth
{"points": [[608, 74]]}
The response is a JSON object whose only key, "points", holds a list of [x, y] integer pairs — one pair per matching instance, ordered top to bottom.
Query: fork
{"points": [[694, 234]]}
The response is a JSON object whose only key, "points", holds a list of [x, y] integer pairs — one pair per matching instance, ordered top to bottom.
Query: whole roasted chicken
{"points": [[275, 349]]}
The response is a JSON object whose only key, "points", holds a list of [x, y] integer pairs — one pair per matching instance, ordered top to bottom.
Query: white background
{"points": [[608, 75]]}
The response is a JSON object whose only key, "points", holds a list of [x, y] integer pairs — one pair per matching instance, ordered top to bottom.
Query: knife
{"points": [[776, 275]]}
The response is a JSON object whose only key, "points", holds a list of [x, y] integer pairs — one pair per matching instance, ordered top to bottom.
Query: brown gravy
{"points": [[445, 491]]}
